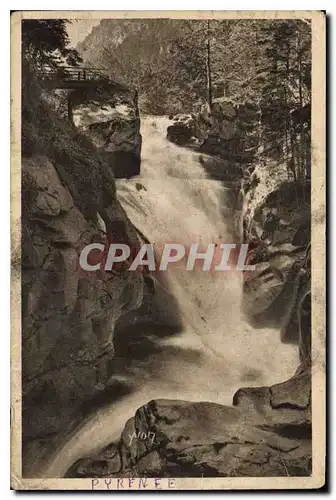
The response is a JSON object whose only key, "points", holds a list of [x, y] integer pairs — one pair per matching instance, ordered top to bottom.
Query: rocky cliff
{"points": [[68, 318]]}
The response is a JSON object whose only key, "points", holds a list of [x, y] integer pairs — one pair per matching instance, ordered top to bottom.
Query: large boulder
{"points": [[108, 115], [182, 129], [228, 131], [277, 229], [266, 433]]}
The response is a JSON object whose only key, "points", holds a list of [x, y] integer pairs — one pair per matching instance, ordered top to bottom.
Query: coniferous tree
{"points": [[45, 42]]}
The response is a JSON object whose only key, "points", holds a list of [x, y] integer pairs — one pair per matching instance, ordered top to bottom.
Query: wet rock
{"points": [[109, 117], [182, 130], [228, 131], [278, 232], [294, 393], [266, 433], [105, 464]]}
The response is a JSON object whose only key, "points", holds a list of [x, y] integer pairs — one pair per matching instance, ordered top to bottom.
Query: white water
{"points": [[180, 204]]}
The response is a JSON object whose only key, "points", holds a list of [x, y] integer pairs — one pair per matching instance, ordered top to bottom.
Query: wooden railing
{"points": [[72, 74]]}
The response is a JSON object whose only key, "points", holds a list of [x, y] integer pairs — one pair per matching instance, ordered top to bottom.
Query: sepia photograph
{"points": [[168, 250]]}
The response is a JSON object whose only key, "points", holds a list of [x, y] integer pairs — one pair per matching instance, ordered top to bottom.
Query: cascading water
{"points": [[174, 201]]}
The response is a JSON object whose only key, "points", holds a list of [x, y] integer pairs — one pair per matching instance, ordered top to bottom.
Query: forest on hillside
{"points": [[174, 63], [182, 66], [200, 66]]}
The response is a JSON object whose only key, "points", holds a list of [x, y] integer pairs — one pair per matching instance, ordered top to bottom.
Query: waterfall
{"points": [[215, 352]]}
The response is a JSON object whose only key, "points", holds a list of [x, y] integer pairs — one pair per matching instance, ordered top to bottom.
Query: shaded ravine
{"points": [[215, 352]]}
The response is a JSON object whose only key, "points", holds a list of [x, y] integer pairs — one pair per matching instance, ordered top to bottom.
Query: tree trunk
{"points": [[208, 68], [299, 69], [302, 132]]}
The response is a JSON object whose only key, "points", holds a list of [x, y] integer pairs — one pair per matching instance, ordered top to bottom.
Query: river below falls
{"points": [[216, 352]]}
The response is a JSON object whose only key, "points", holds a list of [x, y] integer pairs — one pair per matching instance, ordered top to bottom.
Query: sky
{"points": [[79, 29]]}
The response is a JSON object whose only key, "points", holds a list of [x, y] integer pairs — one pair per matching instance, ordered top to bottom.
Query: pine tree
{"points": [[45, 42]]}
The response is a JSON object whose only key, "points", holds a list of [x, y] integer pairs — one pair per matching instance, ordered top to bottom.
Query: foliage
{"points": [[45, 42], [180, 65]]}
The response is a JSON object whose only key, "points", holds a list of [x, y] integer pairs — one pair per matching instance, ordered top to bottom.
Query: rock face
{"points": [[108, 115], [182, 130], [228, 132], [277, 293], [68, 316], [267, 432]]}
